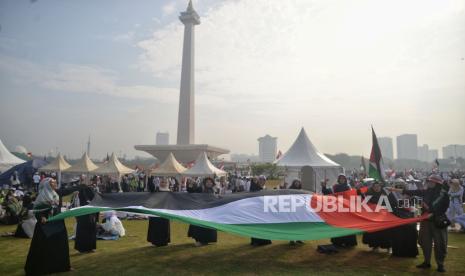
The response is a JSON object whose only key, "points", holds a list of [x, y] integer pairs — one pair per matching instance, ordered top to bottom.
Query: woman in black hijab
{"points": [[296, 185], [256, 186], [86, 228], [159, 233], [202, 235], [403, 238], [380, 239], [345, 241], [49, 250]]}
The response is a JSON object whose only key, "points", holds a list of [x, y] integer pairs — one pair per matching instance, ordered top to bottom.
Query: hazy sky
{"points": [[111, 69]]}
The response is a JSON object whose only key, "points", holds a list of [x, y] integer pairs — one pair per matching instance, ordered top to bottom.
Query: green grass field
{"points": [[132, 255]]}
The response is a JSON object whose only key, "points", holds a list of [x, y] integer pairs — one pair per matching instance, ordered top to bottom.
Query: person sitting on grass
{"points": [[12, 207], [112, 225]]}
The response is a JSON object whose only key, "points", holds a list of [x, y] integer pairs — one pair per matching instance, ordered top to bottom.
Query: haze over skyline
{"points": [[111, 69]]}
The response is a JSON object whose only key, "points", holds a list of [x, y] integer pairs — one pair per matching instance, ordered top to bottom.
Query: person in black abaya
{"points": [[151, 184], [296, 185], [256, 186], [339, 187], [324, 189], [86, 228], [159, 232], [202, 235], [403, 238], [379, 239], [49, 251]]}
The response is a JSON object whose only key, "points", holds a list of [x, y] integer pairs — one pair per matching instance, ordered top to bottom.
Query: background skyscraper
{"points": [[407, 146], [267, 148], [453, 151], [423, 153], [433, 154]]}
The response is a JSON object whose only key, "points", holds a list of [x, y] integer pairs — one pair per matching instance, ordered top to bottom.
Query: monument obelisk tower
{"points": [[186, 117], [185, 150]]}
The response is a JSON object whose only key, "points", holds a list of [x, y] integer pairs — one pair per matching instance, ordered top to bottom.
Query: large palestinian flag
{"points": [[275, 215]]}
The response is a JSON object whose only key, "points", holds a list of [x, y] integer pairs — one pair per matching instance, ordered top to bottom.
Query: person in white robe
{"points": [[113, 225]]}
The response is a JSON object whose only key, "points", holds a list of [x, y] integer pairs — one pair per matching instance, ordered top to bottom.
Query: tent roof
{"points": [[303, 153], [7, 158], [58, 165], [84, 165], [113, 166], [169, 167], [203, 167], [24, 170]]}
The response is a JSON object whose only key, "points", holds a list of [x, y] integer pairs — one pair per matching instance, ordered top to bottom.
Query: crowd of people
{"points": [[442, 197]]}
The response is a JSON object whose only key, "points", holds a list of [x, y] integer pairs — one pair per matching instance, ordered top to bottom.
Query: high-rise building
{"points": [[163, 138], [407, 146], [267, 148], [387, 150], [453, 151], [423, 153], [433, 155]]}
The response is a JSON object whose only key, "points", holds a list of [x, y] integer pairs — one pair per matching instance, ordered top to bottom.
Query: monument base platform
{"points": [[183, 153]]}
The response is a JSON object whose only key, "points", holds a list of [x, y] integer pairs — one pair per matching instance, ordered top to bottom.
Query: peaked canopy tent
{"points": [[7, 159], [304, 161], [58, 165], [84, 165], [114, 167], [170, 167], [203, 167]]}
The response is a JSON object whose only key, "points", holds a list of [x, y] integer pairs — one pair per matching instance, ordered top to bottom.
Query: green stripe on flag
{"points": [[373, 172], [271, 231]]}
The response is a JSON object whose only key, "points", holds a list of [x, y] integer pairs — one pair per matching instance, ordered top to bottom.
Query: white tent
{"points": [[7, 159], [303, 161], [58, 165], [85, 165], [113, 166], [171, 167], [203, 167]]}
